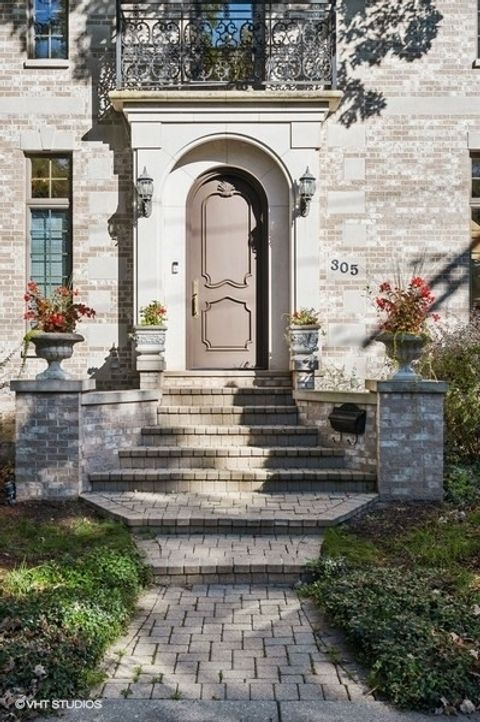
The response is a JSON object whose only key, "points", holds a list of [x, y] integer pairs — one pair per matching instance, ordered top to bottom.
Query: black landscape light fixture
{"points": [[144, 188], [306, 189]]}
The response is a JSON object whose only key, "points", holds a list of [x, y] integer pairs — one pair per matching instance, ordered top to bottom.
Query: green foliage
{"points": [[155, 314], [303, 317], [455, 357], [462, 484], [57, 618], [414, 630]]}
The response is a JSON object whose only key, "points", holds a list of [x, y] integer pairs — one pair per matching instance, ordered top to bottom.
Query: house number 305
{"points": [[344, 267]]}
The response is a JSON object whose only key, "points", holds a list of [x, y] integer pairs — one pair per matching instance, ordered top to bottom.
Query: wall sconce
{"points": [[144, 188], [306, 190]]}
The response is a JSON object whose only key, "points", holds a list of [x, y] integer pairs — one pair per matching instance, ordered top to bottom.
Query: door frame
{"points": [[262, 270]]}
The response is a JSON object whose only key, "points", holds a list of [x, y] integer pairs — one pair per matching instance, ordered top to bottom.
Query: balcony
{"points": [[225, 46]]}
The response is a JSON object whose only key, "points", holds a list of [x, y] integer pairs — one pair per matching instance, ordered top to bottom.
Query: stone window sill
{"points": [[46, 63]]}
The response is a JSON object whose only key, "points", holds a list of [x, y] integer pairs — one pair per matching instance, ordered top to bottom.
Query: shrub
{"points": [[455, 357], [462, 484], [419, 638]]}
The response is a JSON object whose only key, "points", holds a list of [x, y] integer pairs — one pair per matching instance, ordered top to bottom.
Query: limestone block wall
{"points": [[394, 165], [393, 176], [315, 408]]}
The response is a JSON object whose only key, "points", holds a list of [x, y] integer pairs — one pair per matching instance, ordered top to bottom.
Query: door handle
{"points": [[195, 309]]}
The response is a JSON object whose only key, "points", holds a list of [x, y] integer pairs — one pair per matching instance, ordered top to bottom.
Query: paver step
{"points": [[228, 379], [200, 396], [228, 415], [235, 435], [231, 457], [220, 481], [253, 513], [229, 558]]}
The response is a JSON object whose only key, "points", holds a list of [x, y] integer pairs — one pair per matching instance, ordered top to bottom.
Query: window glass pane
{"points": [[50, 28], [41, 47], [57, 48], [40, 167], [60, 167], [475, 167], [51, 176], [476, 188], [40, 189], [59, 189], [50, 255]]}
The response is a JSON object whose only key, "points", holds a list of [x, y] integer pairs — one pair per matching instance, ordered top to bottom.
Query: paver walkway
{"points": [[207, 511], [230, 642]]}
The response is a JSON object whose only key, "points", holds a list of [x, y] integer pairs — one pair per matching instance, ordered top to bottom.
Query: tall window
{"points": [[49, 29], [49, 208]]}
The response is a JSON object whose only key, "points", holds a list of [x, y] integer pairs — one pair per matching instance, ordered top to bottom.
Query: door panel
{"points": [[225, 251]]}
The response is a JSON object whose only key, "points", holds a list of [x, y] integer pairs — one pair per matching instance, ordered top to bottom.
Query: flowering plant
{"points": [[406, 310], [58, 314], [155, 314], [303, 317]]}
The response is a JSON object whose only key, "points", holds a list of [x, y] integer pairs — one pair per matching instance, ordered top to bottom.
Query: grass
{"points": [[444, 541], [69, 586]]}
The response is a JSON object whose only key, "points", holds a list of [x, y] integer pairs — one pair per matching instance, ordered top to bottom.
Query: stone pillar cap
{"points": [[52, 386], [422, 386]]}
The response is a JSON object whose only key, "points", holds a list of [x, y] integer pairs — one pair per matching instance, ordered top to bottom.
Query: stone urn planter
{"points": [[149, 342], [303, 342], [54, 348], [403, 348]]}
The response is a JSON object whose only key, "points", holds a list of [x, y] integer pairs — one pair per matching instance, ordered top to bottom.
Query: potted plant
{"points": [[404, 315], [54, 320], [149, 334], [303, 335]]}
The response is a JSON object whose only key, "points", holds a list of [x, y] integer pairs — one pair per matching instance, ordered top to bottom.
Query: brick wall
{"points": [[315, 408], [111, 421], [64, 430], [47, 439], [410, 439]]}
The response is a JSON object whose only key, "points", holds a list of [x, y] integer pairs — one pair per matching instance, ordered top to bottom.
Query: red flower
{"points": [[405, 309]]}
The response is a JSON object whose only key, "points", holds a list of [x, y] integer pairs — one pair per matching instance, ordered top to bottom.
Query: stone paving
{"points": [[268, 510], [215, 558], [230, 642]]}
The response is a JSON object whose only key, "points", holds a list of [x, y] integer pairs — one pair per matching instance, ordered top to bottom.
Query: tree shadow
{"points": [[371, 30], [92, 62]]}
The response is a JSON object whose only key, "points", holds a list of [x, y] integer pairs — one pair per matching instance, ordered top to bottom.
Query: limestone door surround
{"points": [[274, 136]]}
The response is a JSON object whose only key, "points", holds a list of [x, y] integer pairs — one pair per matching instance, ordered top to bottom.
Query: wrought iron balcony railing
{"points": [[178, 45]]}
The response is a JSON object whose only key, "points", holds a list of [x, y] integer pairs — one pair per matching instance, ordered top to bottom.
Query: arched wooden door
{"points": [[227, 279]]}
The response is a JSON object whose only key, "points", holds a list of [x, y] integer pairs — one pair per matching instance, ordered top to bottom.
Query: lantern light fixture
{"points": [[144, 188], [306, 189]]}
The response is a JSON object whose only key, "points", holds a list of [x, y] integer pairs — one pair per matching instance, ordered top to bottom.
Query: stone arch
{"points": [[196, 159]]}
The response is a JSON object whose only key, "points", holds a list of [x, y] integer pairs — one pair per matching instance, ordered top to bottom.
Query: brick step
{"points": [[228, 379], [191, 396], [227, 416], [221, 436], [231, 457], [225, 481], [252, 513], [229, 558]]}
